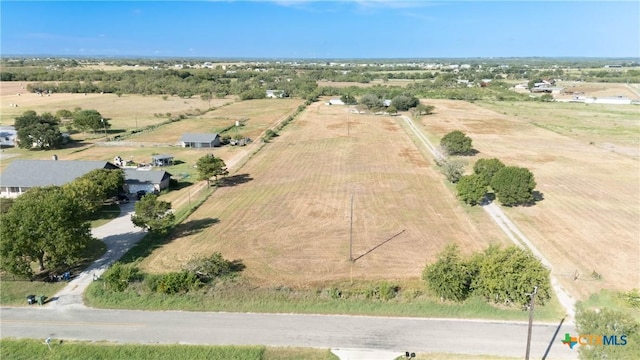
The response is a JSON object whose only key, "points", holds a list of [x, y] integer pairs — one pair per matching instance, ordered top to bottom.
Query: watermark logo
{"points": [[594, 340]]}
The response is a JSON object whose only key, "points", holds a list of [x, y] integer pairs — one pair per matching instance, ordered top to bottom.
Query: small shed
{"points": [[200, 140], [162, 160]]}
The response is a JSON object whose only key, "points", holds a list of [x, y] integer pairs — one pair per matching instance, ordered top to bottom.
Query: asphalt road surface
{"points": [[317, 331]]}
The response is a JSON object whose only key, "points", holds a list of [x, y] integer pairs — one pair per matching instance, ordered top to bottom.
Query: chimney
{"points": [[55, 157]]}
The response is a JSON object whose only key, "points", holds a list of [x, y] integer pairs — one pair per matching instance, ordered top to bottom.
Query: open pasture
{"points": [[125, 112], [255, 115], [611, 127], [589, 220], [289, 221]]}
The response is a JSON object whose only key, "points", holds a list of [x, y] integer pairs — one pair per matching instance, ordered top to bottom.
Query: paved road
{"points": [[343, 332]]}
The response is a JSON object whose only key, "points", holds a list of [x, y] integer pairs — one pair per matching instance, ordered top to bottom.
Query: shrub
{"points": [[456, 143], [211, 267], [118, 276], [449, 277], [173, 283]]}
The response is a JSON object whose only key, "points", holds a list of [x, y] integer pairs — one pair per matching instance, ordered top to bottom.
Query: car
{"points": [[141, 193], [122, 199]]}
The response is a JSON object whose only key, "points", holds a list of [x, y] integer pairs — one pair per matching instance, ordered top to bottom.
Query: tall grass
{"points": [[238, 296]]}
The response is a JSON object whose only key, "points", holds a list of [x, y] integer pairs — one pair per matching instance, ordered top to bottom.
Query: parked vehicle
{"points": [[141, 193], [122, 199]]}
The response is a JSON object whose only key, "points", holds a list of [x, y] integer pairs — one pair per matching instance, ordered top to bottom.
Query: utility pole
{"points": [[348, 125], [105, 127], [351, 232], [531, 305]]}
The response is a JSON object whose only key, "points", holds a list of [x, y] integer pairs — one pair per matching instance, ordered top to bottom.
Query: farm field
{"points": [[126, 112], [589, 220], [290, 223]]}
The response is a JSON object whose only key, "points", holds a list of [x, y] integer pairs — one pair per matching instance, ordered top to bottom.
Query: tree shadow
{"points": [[471, 152], [178, 162], [234, 180], [178, 185], [192, 227], [377, 246], [237, 266], [553, 339]]}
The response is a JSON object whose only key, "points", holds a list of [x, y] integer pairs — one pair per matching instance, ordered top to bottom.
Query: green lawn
{"points": [[61, 349]]}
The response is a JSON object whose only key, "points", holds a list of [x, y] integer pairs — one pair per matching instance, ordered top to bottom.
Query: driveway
{"points": [[119, 235]]}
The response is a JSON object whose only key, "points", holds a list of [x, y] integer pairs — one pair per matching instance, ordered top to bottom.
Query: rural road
{"points": [[508, 227], [375, 334]]}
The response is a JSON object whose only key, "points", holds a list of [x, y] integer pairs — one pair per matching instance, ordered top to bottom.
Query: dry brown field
{"points": [[599, 90], [125, 112], [255, 115], [589, 219], [290, 223]]}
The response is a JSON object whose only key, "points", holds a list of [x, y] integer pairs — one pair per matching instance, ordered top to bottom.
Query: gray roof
{"points": [[198, 137], [161, 156], [30, 173], [133, 176]]}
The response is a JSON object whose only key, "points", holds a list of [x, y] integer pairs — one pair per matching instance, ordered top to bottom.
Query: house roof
{"points": [[198, 137], [161, 157], [31, 173], [133, 176]]}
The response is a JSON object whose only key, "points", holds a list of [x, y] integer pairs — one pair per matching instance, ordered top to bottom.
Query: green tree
{"points": [[348, 99], [371, 101], [404, 102], [422, 109], [392, 110], [64, 114], [86, 120], [38, 131], [456, 143], [209, 166], [487, 168], [452, 169], [514, 185], [95, 187], [471, 189], [153, 214], [46, 226], [507, 275], [449, 277], [606, 322]]}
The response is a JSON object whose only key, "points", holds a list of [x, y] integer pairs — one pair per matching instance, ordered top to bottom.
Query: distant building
{"points": [[274, 94], [335, 102], [8, 136], [200, 140], [162, 160]]}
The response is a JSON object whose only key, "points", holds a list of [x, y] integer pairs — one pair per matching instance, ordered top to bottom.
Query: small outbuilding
{"points": [[200, 140], [162, 160]]}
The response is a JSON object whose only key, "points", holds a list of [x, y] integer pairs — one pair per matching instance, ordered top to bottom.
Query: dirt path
{"points": [[509, 228]]}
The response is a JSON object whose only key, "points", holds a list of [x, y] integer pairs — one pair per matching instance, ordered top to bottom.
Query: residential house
{"points": [[200, 140], [21, 175], [145, 180]]}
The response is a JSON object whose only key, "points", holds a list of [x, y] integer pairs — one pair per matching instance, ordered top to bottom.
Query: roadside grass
{"points": [[14, 290], [239, 295], [612, 300], [63, 349]]}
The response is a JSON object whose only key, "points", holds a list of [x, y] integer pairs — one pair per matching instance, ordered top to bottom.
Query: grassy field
{"points": [[124, 112], [589, 221], [290, 223], [13, 349]]}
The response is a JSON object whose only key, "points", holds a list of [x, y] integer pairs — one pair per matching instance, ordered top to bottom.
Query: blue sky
{"points": [[321, 29]]}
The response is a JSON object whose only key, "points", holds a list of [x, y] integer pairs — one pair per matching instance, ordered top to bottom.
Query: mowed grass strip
{"points": [[590, 214], [290, 224], [14, 349]]}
